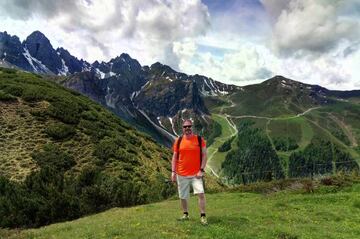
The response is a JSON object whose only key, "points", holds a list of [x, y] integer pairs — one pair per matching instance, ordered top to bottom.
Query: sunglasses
{"points": [[187, 126]]}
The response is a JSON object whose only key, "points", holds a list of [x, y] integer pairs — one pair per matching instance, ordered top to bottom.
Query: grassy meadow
{"points": [[303, 210]]}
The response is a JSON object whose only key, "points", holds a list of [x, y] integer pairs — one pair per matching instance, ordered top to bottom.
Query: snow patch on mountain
{"points": [[35, 64], [86, 67], [64, 69], [99, 73], [136, 93], [109, 99], [204, 118], [160, 123], [172, 126], [171, 136]]}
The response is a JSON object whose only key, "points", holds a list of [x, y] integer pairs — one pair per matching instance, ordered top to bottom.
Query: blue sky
{"points": [[233, 41]]}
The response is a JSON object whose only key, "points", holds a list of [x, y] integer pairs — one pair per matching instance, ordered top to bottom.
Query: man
{"points": [[188, 168]]}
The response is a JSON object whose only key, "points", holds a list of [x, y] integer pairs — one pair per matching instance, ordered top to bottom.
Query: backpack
{"points": [[178, 147]]}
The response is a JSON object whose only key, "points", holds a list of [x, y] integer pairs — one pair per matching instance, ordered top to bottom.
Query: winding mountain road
{"points": [[213, 149]]}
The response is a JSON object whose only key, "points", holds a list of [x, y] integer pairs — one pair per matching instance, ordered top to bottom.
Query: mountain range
{"points": [[156, 98]]}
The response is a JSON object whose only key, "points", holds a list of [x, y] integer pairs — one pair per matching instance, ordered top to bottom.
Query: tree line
{"points": [[255, 159], [51, 195]]}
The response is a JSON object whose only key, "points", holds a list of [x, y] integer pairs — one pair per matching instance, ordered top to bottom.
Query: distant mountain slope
{"points": [[276, 97], [292, 114]]}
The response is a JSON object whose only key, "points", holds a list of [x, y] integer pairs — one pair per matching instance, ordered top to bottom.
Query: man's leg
{"points": [[184, 187], [198, 187], [202, 202], [184, 205]]}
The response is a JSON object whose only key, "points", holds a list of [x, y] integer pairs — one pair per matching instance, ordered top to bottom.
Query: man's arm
{"points": [[204, 158], [203, 162], [173, 167]]}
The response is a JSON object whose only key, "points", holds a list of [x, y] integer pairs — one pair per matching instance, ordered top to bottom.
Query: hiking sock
{"points": [[202, 215]]}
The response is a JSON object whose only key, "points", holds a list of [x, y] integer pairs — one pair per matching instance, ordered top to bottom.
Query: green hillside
{"points": [[272, 98], [292, 115], [59, 146], [65, 156], [303, 211]]}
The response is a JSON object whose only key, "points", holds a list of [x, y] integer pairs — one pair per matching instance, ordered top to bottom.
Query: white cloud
{"points": [[310, 27], [142, 28], [319, 40], [185, 49], [253, 63], [249, 64]]}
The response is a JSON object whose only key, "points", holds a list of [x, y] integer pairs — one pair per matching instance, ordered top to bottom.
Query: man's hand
{"points": [[199, 174], [173, 176]]}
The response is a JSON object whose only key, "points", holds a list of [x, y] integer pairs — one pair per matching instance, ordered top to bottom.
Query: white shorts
{"points": [[184, 182]]}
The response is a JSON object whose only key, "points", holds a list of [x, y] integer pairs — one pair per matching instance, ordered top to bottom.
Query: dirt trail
{"points": [[346, 130]]}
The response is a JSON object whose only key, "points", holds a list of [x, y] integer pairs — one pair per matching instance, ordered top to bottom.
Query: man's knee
{"points": [[201, 195]]}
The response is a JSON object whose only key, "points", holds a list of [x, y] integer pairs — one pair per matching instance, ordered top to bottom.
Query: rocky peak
{"points": [[39, 37], [6, 38], [9, 44], [40, 48], [12, 51], [70, 63], [124, 63], [96, 64], [159, 69], [278, 79], [210, 87], [166, 98]]}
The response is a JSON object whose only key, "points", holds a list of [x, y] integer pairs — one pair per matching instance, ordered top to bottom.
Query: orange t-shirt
{"points": [[189, 157]]}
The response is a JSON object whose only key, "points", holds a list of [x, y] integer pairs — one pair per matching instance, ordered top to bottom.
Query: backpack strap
{"points": [[200, 141], [178, 147]]}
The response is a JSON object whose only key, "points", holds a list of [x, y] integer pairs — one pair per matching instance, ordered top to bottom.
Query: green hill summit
{"points": [[63, 155]]}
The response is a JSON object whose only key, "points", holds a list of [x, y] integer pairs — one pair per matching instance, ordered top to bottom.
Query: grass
{"points": [[215, 104], [258, 123], [285, 128], [297, 128], [330, 212]]}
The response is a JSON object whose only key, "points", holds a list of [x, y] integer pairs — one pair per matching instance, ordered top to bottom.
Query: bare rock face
{"points": [[41, 49], [12, 52]]}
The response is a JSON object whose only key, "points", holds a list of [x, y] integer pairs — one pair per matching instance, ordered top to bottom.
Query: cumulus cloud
{"points": [[275, 7], [26, 9], [151, 24], [310, 27], [316, 42], [351, 49], [254, 63], [248, 64], [325, 71]]}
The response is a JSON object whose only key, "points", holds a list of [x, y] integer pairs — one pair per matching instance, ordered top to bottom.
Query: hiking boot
{"points": [[184, 217], [203, 220]]}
